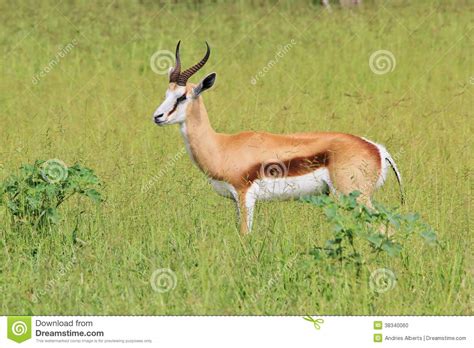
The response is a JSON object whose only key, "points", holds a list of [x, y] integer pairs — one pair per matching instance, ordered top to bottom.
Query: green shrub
{"points": [[34, 195], [383, 229]]}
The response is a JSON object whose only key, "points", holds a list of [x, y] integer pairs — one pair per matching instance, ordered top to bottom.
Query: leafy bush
{"points": [[34, 195], [382, 228]]}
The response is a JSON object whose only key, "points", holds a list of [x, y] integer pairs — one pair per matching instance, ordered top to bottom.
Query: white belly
{"points": [[291, 187], [280, 188]]}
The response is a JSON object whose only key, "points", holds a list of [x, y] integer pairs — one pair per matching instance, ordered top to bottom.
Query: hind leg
{"points": [[354, 178], [345, 182]]}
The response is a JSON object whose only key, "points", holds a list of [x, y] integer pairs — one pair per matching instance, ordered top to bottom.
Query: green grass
{"points": [[95, 107]]}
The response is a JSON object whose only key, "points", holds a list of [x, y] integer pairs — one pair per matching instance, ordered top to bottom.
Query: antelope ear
{"points": [[170, 70], [205, 84]]}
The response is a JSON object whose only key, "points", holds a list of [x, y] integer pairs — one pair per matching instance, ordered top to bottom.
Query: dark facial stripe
{"points": [[179, 100], [173, 109], [294, 167]]}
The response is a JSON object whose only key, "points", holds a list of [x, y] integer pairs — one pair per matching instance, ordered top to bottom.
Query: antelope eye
{"points": [[180, 99]]}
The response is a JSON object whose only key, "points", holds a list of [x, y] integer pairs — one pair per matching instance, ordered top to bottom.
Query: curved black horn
{"points": [[174, 76], [184, 76]]}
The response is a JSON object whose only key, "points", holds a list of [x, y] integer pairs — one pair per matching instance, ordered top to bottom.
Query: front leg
{"points": [[245, 205]]}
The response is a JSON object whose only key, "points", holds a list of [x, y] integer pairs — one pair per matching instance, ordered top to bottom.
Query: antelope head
{"points": [[181, 94]]}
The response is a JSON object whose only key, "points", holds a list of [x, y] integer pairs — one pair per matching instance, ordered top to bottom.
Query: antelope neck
{"points": [[200, 138]]}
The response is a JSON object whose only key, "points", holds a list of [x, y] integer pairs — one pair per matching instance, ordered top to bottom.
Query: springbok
{"points": [[253, 166]]}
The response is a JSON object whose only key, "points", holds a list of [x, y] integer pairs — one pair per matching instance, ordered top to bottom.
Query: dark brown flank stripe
{"points": [[295, 167]]}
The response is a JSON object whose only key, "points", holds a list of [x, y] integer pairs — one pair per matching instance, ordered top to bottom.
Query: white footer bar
{"points": [[214, 331]]}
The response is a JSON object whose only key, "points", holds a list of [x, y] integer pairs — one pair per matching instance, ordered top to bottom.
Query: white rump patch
{"points": [[384, 165]]}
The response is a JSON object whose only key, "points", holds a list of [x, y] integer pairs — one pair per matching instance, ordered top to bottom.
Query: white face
{"points": [[173, 109]]}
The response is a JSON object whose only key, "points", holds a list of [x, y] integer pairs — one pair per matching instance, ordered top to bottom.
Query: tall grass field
{"points": [[81, 80]]}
